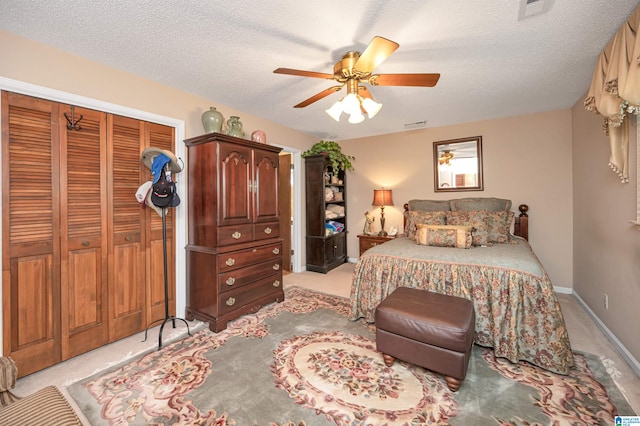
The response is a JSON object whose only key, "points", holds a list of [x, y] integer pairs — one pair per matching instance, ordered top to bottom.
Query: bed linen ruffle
{"points": [[517, 313]]}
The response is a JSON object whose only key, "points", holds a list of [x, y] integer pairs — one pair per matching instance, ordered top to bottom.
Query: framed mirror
{"points": [[457, 165]]}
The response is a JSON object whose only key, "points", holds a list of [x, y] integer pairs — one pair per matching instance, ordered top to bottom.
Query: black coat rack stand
{"points": [[167, 317]]}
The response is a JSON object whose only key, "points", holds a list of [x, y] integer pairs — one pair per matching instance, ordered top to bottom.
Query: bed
{"points": [[517, 312]]}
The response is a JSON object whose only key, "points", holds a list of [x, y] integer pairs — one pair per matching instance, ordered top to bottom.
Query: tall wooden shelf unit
{"points": [[325, 250], [234, 254]]}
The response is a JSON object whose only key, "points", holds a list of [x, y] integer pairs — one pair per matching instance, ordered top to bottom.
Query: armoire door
{"points": [[265, 186], [235, 193], [83, 220], [30, 232], [126, 265]]}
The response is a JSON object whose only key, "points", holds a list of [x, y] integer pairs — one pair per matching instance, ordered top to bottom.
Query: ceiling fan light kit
{"points": [[355, 68]]}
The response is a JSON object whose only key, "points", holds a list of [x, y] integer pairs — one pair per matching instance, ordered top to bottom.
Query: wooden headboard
{"points": [[520, 225]]}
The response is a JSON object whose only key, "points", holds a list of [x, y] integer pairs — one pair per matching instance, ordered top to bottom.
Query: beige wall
{"points": [[27, 61], [526, 159], [606, 246]]}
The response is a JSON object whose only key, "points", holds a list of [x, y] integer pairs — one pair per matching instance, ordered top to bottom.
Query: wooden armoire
{"points": [[234, 255], [82, 262]]}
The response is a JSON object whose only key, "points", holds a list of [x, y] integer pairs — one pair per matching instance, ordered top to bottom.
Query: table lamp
{"points": [[382, 198]]}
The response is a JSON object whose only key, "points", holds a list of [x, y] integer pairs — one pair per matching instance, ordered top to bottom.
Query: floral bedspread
{"points": [[517, 311]]}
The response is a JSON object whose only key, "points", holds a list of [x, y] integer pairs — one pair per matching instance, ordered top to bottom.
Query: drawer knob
{"points": [[267, 230], [236, 235], [276, 250], [230, 261], [276, 266], [230, 281], [276, 283], [231, 301]]}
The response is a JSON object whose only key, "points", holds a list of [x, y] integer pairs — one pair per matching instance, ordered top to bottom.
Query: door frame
{"points": [[37, 91], [297, 264]]}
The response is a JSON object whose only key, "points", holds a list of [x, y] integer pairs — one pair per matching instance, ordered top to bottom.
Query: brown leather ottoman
{"points": [[432, 330]]}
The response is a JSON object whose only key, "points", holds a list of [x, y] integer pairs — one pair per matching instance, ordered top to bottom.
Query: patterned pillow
{"points": [[428, 218], [488, 227], [444, 236]]}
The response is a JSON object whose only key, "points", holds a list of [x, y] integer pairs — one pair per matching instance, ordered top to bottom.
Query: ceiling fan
{"points": [[354, 69], [445, 158]]}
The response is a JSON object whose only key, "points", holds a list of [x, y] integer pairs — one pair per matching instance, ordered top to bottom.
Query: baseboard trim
{"points": [[617, 344]]}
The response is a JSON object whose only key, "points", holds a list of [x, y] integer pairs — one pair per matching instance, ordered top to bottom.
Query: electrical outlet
{"points": [[606, 301]]}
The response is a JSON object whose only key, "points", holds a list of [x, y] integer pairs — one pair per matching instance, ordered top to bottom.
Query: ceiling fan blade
{"points": [[376, 52], [301, 73], [425, 80], [318, 96]]}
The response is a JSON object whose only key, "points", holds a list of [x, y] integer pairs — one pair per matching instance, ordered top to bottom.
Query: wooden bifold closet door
{"points": [[80, 256]]}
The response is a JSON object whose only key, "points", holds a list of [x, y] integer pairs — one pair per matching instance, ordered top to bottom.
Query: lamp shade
{"points": [[335, 111], [382, 197]]}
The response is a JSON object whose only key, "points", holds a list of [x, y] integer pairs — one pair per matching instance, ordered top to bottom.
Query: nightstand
{"points": [[368, 241]]}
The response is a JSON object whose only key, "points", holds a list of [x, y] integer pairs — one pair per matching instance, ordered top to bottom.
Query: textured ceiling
{"points": [[491, 63]]}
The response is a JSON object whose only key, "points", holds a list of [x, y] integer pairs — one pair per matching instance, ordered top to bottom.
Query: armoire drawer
{"points": [[262, 231], [235, 234], [242, 258], [249, 274], [242, 296]]}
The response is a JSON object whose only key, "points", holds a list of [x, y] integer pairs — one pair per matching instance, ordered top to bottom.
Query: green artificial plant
{"points": [[338, 160]]}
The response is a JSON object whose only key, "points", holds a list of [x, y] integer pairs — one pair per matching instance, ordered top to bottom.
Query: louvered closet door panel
{"points": [[161, 137], [235, 186], [126, 221], [30, 232], [85, 323]]}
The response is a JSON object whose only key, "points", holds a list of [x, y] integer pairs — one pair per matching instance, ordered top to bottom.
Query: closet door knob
{"points": [[85, 244]]}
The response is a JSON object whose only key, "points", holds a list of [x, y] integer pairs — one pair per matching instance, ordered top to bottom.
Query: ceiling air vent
{"points": [[530, 8], [415, 125]]}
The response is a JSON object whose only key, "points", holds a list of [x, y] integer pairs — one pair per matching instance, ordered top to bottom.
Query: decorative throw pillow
{"points": [[491, 204], [429, 205], [428, 218], [488, 227], [444, 236]]}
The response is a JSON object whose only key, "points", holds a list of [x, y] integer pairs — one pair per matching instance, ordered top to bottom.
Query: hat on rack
{"points": [[149, 154]]}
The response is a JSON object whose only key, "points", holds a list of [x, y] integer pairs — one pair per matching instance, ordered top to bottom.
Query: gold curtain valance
{"points": [[615, 91]]}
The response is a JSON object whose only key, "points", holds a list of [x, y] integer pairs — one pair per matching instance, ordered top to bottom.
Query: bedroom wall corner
{"points": [[606, 245]]}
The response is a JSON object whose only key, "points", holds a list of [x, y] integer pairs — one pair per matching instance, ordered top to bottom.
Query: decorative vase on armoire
{"points": [[212, 120], [234, 127]]}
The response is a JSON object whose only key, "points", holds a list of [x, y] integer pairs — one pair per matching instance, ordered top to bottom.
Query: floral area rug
{"points": [[302, 362]]}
